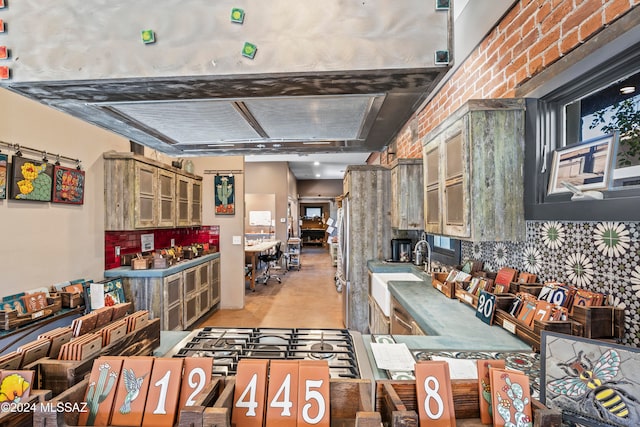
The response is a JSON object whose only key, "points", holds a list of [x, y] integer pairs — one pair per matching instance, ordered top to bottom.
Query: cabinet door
{"points": [[167, 184], [432, 187], [145, 190], [183, 196], [455, 199], [196, 202], [204, 275], [190, 281], [214, 295], [172, 303], [191, 309], [415, 329]]}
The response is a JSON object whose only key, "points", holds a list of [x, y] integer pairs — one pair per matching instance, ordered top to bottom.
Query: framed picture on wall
{"points": [[4, 163], [586, 166], [31, 179], [68, 185], [224, 189]]}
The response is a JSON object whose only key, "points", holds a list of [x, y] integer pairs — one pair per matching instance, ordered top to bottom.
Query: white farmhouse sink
{"points": [[380, 292]]}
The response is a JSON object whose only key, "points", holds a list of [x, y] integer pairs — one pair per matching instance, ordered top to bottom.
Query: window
{"points": [[590, 102], [615, 108], [313, 212], [444, 249]]}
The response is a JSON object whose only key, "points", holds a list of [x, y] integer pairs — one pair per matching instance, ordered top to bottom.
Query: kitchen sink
{"points": [[380, 291]]}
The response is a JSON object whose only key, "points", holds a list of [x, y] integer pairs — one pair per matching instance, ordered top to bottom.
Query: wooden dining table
{"points": [[252, 251]]}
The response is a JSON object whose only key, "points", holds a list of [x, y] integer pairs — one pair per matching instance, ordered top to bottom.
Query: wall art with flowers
{"points": [[31, 179], [68, 185], [224, 195]]}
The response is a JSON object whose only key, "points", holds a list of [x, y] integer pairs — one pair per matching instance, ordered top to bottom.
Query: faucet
{"points": [[418, 250]]}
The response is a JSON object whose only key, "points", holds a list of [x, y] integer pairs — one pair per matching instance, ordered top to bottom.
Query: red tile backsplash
{"points": [[129, 241]]}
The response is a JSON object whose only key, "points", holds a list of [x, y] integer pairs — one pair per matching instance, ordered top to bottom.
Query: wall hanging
{"points": [[3, 175], [31, 179], [68, 185], [224, 195]]}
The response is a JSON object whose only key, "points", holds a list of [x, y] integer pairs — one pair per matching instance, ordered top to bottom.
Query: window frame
{"points": [[545, 133]]}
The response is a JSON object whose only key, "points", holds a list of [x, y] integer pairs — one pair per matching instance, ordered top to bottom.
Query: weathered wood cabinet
{"points": [[473, 172], [142, 193], [407, 194], [367, 202], [178, 295], [402, 323]]}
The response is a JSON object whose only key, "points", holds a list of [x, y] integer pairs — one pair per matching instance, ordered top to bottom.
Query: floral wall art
{"points": [[31, 179], [598, 256]]}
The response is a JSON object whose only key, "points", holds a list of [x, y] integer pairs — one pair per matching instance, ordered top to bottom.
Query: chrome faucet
{"points": [[419, 257]]}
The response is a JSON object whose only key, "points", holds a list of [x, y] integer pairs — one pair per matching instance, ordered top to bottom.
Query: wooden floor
{"points": [[305, 298]]}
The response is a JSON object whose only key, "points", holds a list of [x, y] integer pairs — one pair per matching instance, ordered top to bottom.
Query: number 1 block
{"points": [[164, 388]]}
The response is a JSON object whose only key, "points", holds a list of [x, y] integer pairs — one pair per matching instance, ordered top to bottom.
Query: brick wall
{"points": [[532, 35]]}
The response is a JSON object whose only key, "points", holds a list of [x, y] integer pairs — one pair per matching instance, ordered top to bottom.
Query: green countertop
{"points": [[159, 272], [448, 323]]}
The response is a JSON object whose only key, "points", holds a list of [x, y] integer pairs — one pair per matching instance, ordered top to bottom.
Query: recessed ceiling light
{"points": [[626, 90], [277, 145], [261, 146], [316, 163], [317, 175]]}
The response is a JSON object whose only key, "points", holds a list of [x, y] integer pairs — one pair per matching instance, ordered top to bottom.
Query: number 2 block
{"points": [[196, 376], [433, 389]]}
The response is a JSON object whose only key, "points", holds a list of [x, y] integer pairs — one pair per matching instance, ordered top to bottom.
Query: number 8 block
{"points": [[433, 390]]}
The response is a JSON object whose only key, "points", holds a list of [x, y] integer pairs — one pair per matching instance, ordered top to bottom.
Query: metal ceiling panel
{"points": [[312, 117], [190, 122]]}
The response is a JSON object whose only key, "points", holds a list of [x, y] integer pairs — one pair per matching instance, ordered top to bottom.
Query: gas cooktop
{"points": [[228, 345]]}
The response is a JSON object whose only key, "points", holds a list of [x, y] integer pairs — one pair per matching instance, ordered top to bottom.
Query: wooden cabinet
{"points": [[473, 172], [142, 193], [407, 195], [179, 295], [214, 295], [172, 307], [378, 322], [402, 323]]}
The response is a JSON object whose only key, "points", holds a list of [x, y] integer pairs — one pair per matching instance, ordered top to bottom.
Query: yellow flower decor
{"points": [[31, 171], [36, 184], [25, 186], [13, 388]]}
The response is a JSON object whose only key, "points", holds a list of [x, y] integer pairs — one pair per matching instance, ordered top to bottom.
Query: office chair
{"points": [[272, 260]]}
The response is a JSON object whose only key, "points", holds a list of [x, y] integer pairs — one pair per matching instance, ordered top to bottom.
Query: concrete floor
{"points": [[305, 298]]}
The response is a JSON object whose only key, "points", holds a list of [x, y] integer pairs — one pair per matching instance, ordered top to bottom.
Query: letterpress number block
{"points": [[196, 376], [164, 389], [433, 389], [282, 394], [313, 394], [249, 395]]}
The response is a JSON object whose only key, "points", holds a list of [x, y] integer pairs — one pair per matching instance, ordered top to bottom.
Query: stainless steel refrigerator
{"points": [[364, 234]]}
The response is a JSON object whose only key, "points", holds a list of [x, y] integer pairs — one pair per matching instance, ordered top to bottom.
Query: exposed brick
{"points": [[615, 8], [544, 9], [580, 14], [590, 26], [569, 42], [544, 43], [551, 55], [535, 65]]}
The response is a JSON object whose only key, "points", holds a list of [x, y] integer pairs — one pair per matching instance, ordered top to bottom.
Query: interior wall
{"points": [[270, 178], [319, 187], [259, 202], [47, 243], [231, 256]]}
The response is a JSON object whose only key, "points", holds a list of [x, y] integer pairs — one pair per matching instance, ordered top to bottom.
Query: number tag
{"points": [[486, 307], [196, 376], [164, 389], [433, 389], [313, 393], [282, 394], [249, 395]]}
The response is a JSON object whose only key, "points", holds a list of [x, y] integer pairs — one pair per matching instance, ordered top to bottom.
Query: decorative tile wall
{"points": [[129, 241], [599, 256]]}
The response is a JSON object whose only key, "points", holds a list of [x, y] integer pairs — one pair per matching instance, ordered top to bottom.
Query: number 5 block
{"points": [[433, 390], [313, 394]]}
